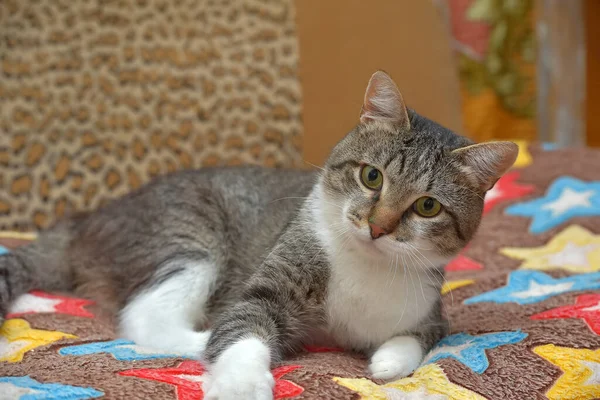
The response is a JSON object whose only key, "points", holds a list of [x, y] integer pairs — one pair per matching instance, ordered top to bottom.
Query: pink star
{"points": [[506, 189], [41, 302], [586, 307], [187, 379]]}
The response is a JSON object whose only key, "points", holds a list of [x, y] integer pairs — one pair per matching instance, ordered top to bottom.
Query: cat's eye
{"points": [[371, 177], [427, 207]]}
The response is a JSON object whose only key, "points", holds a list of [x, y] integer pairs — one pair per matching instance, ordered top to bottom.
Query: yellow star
{"points": [[524, 157], [18, 235], [575, 249], [451, 285], [17, 338], [581, 372], [427, 382]]}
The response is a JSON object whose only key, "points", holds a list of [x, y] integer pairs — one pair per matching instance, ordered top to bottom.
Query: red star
{"points": [[506, 189], [462, 263], [63, 305], [586, 307], [321, 349], [187, 379], [285, 389]]}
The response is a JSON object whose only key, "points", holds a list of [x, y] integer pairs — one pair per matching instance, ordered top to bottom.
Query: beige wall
{"points": [[342, 42]]}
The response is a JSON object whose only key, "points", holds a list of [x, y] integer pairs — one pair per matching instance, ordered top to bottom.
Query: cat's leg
{"points": [[163, 315], [270, 320], [401, 355], [396, 358], [242, 371]]}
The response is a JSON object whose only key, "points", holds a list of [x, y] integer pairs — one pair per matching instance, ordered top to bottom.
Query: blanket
{"points": [[523, 301]]}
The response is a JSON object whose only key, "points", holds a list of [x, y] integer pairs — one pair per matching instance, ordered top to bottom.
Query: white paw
{"points": [[175, 341], [190, 343], [396, 358], [242, 372], [238, 384]]}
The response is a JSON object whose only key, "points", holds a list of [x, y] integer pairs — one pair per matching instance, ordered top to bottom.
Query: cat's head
{"points": [[400, 183]]}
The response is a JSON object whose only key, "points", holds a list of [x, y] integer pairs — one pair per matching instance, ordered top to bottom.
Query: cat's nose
{"points": [[377, 231]]}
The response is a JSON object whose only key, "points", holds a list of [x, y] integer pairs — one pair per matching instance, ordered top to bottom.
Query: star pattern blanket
{"points": [[523, 301]]}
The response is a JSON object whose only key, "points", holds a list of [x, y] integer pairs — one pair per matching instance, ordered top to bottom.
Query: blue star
{"points": [[549, 146], [566, 198], [3, 250], [527, 287], [121, 349], [470, 350], [25, 388]]}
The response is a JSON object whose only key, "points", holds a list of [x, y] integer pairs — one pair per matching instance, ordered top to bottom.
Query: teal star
{"points": [[566, 198], [527, 287], [121, 349], [470, 350], [25, 388]]}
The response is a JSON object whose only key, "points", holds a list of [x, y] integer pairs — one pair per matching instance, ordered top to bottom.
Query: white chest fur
{"points": [[371, 297], [370, 300]]}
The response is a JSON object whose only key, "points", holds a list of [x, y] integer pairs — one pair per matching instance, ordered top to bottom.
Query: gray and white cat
{"points": [[243, 266]]}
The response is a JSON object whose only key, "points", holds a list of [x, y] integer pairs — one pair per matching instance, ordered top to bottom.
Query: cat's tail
{"points": [[42, 264]]}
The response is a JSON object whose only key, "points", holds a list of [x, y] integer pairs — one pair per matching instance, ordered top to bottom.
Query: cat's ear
{"points": [[383, 102], [487, 162]]}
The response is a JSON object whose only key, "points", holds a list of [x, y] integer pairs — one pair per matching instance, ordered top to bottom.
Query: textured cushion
{"points": [[100, 96], [523, 302]]}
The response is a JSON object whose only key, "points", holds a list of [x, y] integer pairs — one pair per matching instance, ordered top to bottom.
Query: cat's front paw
{"points": [[396, 358], [242, 372], [238, 384]]}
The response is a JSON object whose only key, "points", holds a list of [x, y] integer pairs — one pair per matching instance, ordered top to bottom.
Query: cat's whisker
{"points": [[313, 165], [467, 189], [289, 198], [333, 204], [343, 245], [323, 247], [341, 248], [420, 248], [410, 253], [422, 255], [395, 270], [389, 271], [431, 273], [412, 280], [443, 280], [439, 282], [435, 284], [403, 285]]}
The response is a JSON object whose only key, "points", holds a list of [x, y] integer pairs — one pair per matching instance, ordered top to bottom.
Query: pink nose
{"points": [[377, 231]]}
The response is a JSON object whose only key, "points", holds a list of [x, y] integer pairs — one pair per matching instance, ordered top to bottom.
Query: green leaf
{"points": [[514, 7], [483, 10], [498, 35], [528, 49], [493, 63], [472, 74], [506, 84]]}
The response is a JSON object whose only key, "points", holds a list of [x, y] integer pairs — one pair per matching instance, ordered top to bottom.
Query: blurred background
{"points": [[97, 97]]}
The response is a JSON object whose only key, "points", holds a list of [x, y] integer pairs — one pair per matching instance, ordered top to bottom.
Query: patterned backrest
{"points": [[100, 96]]}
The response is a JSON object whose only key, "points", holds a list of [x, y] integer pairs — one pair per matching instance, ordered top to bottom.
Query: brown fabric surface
{"points": [[98, 97], [515, 371]]}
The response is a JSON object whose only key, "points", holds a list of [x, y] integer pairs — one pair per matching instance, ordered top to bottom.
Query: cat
{"points": [[243, 266]]}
